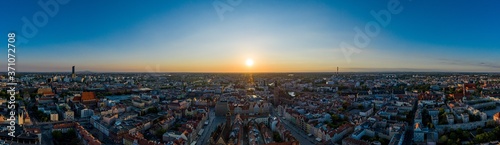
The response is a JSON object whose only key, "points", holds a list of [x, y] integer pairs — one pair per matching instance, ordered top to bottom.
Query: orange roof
{"points": [[44, 90], [48, 94], [86, 96], [77, 99], [64, 125]]}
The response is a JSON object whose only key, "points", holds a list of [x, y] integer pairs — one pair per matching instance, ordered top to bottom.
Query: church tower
{"points": [[276, 100], [20, 118]]}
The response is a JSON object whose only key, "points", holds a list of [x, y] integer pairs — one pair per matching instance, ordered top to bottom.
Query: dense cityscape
{"points": [[250, 72], [254, 108]]}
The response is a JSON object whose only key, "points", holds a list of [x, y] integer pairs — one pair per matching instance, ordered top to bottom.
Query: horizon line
{"points": [[264, 72]]}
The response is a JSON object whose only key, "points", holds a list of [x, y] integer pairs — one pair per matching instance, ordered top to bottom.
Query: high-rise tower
{"points": [[73, 75], [277, 96]]}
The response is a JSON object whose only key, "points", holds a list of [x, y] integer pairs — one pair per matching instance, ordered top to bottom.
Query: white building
{"points": [[69, 115], [54, 116]]}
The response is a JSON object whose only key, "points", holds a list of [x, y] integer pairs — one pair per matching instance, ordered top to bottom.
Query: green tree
{"points": [[153, 110], [431, 126], [479, 130], [71, 133], [159, 133], [57, 135], [453, 136], [277, 137], [443, 139]]}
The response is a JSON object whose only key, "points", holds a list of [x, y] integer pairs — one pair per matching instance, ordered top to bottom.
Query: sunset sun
{"points": [[249, 62]]}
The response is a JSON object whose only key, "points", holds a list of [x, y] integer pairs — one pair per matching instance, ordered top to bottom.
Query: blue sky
{"points": [[280, 36]]}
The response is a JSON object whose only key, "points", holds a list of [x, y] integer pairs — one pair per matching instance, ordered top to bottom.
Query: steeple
{"points": [[20, 118]]}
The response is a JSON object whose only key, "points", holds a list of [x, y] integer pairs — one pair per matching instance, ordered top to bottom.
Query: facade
{"points": [[221, 108], [367, 112], [86, 113], [69, 115], [54, 116], [465, 117], [450, 118], [65, 127], [101, 127], [340, 132], [418, 134]]}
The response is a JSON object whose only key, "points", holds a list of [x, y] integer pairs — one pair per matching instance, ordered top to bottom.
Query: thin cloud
{"points": [[468, 63]]}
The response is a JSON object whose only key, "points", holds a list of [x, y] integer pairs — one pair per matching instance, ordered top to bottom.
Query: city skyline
{"points": [[298, 36]]}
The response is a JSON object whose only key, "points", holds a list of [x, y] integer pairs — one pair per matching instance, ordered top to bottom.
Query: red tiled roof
{"points": [[87, 96], [77, 99], [64, 125], [341, 129]]}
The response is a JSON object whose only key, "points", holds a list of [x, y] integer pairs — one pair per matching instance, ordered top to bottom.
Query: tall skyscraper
{"points": [[73, 75]]}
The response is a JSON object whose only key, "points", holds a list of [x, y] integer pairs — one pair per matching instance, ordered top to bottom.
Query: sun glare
{"points": [[249, 62]]}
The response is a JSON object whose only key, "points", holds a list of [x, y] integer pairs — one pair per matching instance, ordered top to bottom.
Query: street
{"points": [[214, 122], [299, 134], [408, 138]]}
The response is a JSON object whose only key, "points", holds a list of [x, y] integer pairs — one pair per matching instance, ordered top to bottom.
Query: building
{"points": [[73, 75], [44, 90], [88, 96], [276, 98], [89, 99], [221, 108], [366, 112], [86, 113], [69, 115], [54, 116], [465, 117], [496, 117], [450, 118], [435, 119], [101, 126], [64, 127], [338, 133], [418, 134], [221, 135], [86, 137], [352, 141]]}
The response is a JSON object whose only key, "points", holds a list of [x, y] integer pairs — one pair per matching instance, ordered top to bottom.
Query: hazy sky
{"points": [[279, 35]]}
